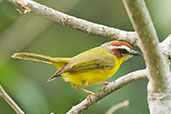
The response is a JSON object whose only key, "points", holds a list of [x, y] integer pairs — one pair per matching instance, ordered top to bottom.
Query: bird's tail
{"points": [[33, 57], [41, 58], [58, 62]]}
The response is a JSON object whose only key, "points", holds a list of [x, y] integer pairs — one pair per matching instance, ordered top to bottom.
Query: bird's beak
{"points": [[136, 53]]}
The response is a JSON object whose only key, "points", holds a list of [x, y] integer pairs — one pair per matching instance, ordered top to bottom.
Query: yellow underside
{"points": [[94, 76], [88, 77], [84, 78]]}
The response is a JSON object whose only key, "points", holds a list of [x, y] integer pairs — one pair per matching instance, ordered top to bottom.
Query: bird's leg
{"points": [[104, 83], [84, 90]]}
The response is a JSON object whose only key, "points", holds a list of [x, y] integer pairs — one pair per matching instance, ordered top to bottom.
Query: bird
{"points": [[91, 67]]}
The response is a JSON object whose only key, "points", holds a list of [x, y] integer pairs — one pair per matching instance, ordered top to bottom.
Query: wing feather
{"points": [[84, 63]]}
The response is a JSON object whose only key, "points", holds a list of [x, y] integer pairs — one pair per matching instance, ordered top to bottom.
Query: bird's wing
{"points": [[89, 63]]}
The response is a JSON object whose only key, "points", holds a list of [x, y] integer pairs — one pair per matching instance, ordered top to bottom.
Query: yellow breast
{"points": [[88, 77]]}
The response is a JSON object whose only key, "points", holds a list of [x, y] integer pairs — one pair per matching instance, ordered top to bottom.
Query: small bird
{"points": [[91, 67]]}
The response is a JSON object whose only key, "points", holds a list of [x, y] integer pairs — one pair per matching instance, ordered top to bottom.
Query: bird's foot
{"points": [[105, 84], [86, 91], [89, 96]]}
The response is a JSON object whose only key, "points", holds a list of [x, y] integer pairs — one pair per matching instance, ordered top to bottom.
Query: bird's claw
{"points": [[105, 84], [89, 96]]}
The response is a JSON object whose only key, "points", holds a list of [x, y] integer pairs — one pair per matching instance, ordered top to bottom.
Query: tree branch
{"points": [[76, 23], [142, 23], [166, 49], [120, 82], [111, 87], [159, 97], [9, 100], [123, 104]]}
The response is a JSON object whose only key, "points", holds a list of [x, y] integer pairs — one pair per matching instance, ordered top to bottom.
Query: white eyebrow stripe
{"points": [[107, 47], [120, 47]]}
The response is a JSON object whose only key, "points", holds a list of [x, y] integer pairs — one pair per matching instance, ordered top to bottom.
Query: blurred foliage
{"points": [[25, 81]]}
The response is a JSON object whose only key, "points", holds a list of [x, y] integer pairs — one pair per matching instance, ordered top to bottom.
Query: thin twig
{"points": [[76, 23], [111, 87], [9, 100], [123, 104]]}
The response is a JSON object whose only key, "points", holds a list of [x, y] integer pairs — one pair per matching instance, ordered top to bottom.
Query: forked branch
{"points": [[159, 98]]}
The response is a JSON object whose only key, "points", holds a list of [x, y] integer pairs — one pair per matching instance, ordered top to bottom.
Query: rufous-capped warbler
{"points": [[90, 67]]}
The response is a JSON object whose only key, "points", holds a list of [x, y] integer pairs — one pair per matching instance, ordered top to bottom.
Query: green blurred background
{"points": [[25, 81]]}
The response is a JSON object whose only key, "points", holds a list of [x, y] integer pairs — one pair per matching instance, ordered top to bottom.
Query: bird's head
{"points": [[120, 49]]}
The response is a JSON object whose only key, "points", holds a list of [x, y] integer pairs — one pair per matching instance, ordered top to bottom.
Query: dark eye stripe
{"points": [[124, 51]]}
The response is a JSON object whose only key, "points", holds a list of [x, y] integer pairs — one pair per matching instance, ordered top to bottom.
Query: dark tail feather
{"points": [[56, 75]]}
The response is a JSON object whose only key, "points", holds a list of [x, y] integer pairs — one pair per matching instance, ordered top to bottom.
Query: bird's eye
{"points": [[124, 51]]}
